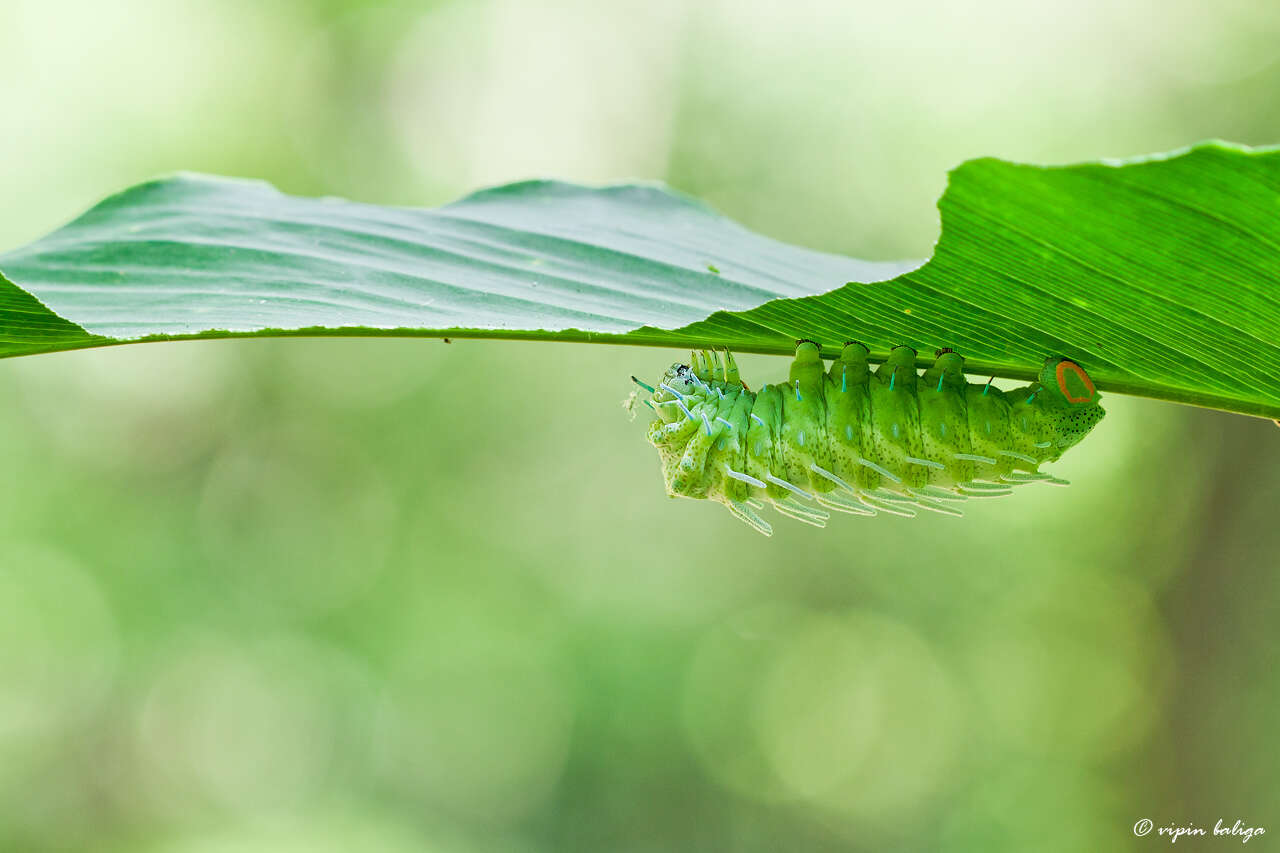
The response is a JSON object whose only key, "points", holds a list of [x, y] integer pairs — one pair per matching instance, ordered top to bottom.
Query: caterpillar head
{"points": [[680, 377], [678, 384], [1067, 399]]}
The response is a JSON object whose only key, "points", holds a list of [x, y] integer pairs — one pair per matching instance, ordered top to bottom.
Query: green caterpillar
{"points": [[859, 441]]}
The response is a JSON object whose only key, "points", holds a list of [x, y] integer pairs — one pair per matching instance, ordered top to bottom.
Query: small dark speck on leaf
{"points": [[447, 341]]}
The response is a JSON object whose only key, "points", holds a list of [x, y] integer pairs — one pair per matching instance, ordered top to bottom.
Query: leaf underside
{"points": [[1161, 276]]}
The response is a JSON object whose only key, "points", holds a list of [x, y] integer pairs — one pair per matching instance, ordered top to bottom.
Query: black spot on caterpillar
{"points": [[859, 441]]}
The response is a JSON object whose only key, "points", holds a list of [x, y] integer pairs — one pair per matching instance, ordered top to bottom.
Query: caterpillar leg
{"points": [[700, 362], [707, 368], [850, 369], [899, 369], [947, 371], [806, 372], [731, 376], [897, 443], [804, 446]]}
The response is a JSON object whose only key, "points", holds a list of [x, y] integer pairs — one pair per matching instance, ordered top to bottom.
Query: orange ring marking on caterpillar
{"points": [[1084, 377]]}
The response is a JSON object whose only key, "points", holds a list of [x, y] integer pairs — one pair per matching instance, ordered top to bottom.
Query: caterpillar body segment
{"points": [[858, 441]]}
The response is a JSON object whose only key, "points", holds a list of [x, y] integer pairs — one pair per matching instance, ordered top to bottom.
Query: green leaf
{"points": [[1161, 276]]}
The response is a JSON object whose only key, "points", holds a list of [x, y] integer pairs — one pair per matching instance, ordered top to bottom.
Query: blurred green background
{"points": [[323, 595]]}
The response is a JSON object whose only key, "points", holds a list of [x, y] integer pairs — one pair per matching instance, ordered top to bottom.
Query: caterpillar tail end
{"points": [[1066, 397]]}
